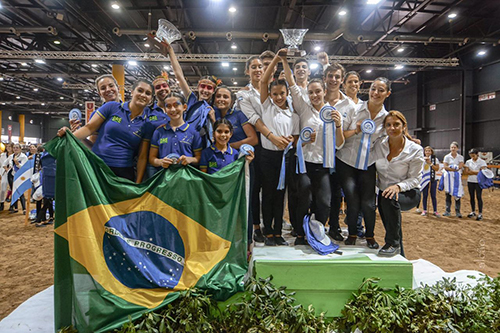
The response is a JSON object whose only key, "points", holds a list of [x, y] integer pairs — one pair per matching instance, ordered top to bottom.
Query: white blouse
{"points": [[248, 101], [309, 117], [282, 122], [349, 152], [22, 158], [475, 166], [404, 170]]}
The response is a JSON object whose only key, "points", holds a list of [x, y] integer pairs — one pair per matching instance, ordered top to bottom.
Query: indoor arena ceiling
{"points": [[51, 50]]}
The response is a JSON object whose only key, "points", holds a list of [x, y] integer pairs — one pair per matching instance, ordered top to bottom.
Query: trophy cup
{"points": [[166, 34], [293, 38]]}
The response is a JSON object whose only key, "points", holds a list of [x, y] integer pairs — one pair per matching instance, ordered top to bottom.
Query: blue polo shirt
{"points": [[155, 117], [238, 120], [119, 137], [185, 140], [212, 159]]}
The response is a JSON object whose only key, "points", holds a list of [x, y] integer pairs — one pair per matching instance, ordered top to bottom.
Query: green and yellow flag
{"points": [[122, 249]]}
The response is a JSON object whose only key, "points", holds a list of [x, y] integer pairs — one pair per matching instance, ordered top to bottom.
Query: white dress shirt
{"points": [[248, 101], [309, 117], [282, 122], [349, 152], [453, 160], [475, 166], [404, 170]]}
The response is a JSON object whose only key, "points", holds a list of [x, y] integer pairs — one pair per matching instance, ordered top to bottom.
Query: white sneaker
{"points": [[418, 211]]}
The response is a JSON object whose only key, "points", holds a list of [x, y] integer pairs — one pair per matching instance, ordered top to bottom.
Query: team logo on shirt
{"points": [[153, 118], [116, 119], [187, 139], [163, 140], [212, 164]]}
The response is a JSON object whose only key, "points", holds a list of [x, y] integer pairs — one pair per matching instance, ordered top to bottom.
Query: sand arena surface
{"points": [[27, 253]]}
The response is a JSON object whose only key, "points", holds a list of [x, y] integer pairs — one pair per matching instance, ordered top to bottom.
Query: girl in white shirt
{"points": [[282, 122], [452, 161], [15, 162], [399, 164], [472, 168], [4, 182], [315, 183]]}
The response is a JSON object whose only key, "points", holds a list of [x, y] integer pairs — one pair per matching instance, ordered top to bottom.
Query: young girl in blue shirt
{"points": [[175, 137], [220, 154]]}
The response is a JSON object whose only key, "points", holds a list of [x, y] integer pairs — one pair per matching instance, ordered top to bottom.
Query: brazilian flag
{"points": [[122, 249]]}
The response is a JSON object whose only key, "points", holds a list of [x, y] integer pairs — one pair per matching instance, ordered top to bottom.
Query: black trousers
{"points": [[256, 184], [314, 184], [292, 188], [474, 188], [359, 191], [273, 200], [336, 201], [46, 203], [448, 204], [390, 212]]}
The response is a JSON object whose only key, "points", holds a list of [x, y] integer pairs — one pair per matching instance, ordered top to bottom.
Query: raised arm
{"points": [[286, 67], [179, 74], [264, 89]]}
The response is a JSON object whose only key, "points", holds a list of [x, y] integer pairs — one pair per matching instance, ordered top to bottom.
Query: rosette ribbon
{"points": [[325, 114], [367, 128], [305, 136], [281, 182]]}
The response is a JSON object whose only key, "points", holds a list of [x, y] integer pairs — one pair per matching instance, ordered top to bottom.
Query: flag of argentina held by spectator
{"points": [[22, 180]]}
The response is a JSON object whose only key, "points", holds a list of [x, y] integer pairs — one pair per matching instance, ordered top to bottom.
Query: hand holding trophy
{"points": [[166, 34]]}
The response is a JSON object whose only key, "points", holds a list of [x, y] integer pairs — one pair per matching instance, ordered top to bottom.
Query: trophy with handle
{"points": [[166, 34], [293, 38]]}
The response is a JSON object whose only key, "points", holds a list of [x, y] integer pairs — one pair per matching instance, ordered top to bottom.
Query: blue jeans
{"points": [[425, 194]]}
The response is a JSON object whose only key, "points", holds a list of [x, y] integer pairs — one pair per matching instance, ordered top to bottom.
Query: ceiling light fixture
{"points": [[372, 2], [115, 5], [232, 9], [342, 13], [452, 15], [57, 42], [146, 45], [233, 46], [317, 48], [401, 49], [481, 53], [40, 61], [132, 63], [24, 64], [225, 64], [94, 65], [399, 67], [235, 69], [368, 71], [1, 78], [59, 79], [235, 83], [35, 89], [18, 97], [61, 97], [43, 104], [10, 117]]}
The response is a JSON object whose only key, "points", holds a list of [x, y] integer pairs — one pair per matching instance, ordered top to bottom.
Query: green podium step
{"points": [[327, 282]]}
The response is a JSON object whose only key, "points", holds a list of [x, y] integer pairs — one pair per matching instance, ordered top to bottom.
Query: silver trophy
{"points": [[166, 34], [293, 38]]}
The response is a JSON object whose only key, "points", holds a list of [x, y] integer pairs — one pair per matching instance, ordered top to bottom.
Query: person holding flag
{"points": [[472, 168], [19, 179], [452, 179]]}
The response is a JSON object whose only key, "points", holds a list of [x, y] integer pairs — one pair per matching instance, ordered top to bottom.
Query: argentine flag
{"points": [[22, 180]]}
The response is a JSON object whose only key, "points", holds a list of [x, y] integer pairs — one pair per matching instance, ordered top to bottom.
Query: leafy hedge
{"points": [[443, 307]]}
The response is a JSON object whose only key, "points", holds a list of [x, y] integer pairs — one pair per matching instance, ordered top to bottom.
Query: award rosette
{"points": [[293, 38], [75, 114], [325, 114], [368, 127], [305, 136], [245, 149], [174, 157], [281, 182]]}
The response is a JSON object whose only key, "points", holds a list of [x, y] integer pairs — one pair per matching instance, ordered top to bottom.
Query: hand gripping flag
{"points": [[22, 180], [122, 249]]}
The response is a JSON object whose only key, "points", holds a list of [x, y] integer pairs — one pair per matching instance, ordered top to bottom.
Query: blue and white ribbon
{"points": [[75, 114], [325, 114], [368, 127], [305, 136], [245, 149], [174, 157], [281, 182]]}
